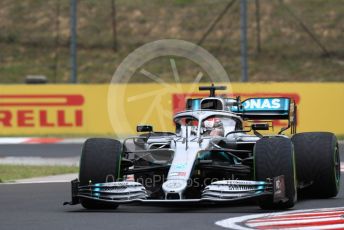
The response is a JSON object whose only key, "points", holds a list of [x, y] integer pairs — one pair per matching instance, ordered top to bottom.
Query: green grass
{"points": [[27, 38], [340, 137], [15, 172]]}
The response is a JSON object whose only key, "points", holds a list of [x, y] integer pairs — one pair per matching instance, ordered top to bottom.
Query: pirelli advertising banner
{"points": [[116, 109]]}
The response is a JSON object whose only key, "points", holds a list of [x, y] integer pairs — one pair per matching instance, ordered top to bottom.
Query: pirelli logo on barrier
{"points": [[83, 109], [41, 110]]}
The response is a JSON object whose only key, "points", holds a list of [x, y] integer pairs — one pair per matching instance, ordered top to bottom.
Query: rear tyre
{"points": [[274, 156], [100, 160], [318, 163]]}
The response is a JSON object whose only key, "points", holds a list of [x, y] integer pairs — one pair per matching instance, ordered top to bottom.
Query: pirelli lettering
{"points": [[41, 110]]}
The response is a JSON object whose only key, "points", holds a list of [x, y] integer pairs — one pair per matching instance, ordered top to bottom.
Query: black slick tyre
{"points": [[274, 156], [100, 161], [317, 163]]}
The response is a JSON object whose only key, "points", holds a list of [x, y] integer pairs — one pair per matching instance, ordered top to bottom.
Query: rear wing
{"points": [[260, 108], [273, 108]]}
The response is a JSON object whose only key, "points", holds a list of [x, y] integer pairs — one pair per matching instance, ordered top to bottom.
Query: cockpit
{"points": [[210, 116], [211, 125]]}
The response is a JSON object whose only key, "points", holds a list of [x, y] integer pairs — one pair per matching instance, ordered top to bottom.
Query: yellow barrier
{"points": [[86, 110]]}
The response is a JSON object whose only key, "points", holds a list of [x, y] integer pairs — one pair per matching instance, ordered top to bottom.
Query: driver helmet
{"points": [[213, 123], [214, 127]]}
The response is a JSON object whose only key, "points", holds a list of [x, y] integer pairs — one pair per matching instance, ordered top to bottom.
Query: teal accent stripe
{"points": [[286, 105]]}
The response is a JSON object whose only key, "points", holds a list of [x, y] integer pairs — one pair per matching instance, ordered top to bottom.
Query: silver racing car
{"points": [[212, 157]]}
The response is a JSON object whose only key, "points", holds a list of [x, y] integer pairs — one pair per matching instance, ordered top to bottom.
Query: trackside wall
{"points": [[89, 110]]}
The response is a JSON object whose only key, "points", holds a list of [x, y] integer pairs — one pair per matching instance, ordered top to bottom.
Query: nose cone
{"points": [[174, 186]]}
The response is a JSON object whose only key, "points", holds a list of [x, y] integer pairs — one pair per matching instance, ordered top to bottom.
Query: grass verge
{"points": [[34, 39], [340, 137], [15, 172]]}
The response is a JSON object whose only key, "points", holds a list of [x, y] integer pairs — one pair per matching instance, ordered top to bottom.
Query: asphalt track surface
{"points": [[39, 206]]}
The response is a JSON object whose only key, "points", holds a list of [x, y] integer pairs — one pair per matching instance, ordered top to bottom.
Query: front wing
{"points": [[103, 194]]}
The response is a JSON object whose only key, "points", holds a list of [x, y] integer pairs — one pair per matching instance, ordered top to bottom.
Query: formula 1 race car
{"points": [[212, 157]]}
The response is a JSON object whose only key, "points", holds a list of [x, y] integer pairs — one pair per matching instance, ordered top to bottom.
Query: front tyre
{"points": [[274, 156], [99, 162], [318, 163]]}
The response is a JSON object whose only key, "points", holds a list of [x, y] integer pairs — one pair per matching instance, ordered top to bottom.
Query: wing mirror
{"points": [[260, 126], [144, 128]]}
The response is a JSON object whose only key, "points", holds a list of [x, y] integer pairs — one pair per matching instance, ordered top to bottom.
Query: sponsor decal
{"points": [[260, 103], [265, 104], [41, 110], [179, 166], [177, 174], [240, 182], [173, 184], [235, 187], [279, 188]]}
